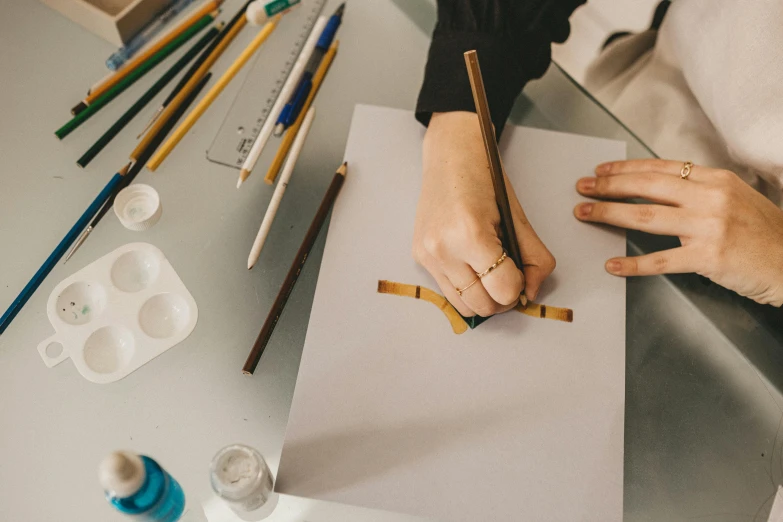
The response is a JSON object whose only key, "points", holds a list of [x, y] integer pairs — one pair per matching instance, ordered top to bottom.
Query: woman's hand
{"points": [[457, 220], [729, 232]]}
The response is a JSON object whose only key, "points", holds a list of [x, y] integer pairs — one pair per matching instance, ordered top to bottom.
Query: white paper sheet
{"points": [[519, 419]]}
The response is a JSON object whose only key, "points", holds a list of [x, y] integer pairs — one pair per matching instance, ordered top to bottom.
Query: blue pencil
{"points": [[58, 252]]}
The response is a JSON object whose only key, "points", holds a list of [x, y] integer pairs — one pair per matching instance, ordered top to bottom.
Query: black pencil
{"points": [[196, 65], [131, 78], [164, 80], [115, 129], [139, 165], [295, 270]]}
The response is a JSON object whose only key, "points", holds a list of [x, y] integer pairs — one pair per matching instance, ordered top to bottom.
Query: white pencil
{"points": [[285, 93], [277, 197]]}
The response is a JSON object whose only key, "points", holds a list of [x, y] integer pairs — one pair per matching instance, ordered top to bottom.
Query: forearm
{"points": [[513, 39]]}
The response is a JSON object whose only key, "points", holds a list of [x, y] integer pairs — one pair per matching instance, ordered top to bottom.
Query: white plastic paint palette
{"points": [[118, 313]]}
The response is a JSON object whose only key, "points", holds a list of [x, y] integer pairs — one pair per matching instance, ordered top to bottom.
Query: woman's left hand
{"points": [[729, 232]]}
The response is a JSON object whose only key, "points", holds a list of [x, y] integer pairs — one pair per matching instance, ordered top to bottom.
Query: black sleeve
{"points": [[513, 39]]}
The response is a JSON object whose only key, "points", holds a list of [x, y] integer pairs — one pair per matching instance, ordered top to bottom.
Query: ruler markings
{"points": [[245, 135]]}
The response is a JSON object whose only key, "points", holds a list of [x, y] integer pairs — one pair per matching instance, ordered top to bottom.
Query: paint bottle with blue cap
{"points": [[138, 486]]}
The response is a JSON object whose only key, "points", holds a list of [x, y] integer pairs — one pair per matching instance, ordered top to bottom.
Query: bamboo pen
{"points": [[509, 239]]}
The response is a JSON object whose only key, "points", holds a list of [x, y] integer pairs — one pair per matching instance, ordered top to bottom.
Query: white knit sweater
{"points": [[707, 87]]}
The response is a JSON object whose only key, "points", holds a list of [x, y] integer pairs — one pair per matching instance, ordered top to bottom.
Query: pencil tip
{"points": [[340, 10], [78, 108], [279, 128], [243, 175]]}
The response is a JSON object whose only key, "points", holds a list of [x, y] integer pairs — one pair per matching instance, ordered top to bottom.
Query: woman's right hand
{"points": [[457, 223]]}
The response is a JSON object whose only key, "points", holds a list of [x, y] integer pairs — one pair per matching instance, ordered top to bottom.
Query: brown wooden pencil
{"points": [[509, 238], [295, 270]]}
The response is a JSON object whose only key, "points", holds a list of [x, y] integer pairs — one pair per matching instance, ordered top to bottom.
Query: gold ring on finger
{"points": [[686, 170], [494, 266], [459, 291]]}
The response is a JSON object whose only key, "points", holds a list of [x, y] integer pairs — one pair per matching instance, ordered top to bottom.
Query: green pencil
{"points": [[132, 77], [146, 98]]}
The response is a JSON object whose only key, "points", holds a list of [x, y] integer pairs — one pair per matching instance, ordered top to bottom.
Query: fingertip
{"points": [[604, 168], [586, 185], [583, 210], [614, 267], [532, 287], [531, 292]]}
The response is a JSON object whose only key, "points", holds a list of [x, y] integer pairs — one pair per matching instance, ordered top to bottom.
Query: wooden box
{"points": [[114, 20]]}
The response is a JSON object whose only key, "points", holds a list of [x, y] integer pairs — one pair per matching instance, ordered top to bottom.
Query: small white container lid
{"points": [[138, 207], [121, 474]]}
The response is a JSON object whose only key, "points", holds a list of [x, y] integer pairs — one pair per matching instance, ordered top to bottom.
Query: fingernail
{"points": [[603, 168], [586, 184], [584, 210], [613, 267]]}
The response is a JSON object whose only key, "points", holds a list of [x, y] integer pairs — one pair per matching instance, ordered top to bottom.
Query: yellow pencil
{"points": [[188, 87], [97, 90], [213, 93], [288, 139]]}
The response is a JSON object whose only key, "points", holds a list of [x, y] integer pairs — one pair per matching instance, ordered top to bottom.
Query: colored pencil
{"points": [[147, 33], [129, 67], [195, 67], [130, 79], [98, 83], [191, 83], [288, 88], [212, 94], [146, 97], [288, 139], [139, 165], [277, 197], [509, 239], [61, 248], [295, 270]]}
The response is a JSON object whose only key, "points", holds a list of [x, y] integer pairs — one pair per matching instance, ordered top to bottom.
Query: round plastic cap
{"points": [[255, 13], [138, 207], [121, 474]]}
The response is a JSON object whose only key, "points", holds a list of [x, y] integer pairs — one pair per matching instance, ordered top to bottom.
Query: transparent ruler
{"points": [[262, 84]]}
